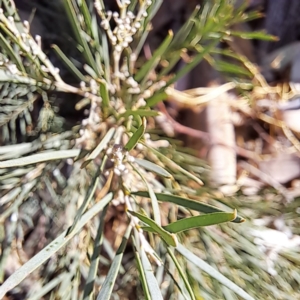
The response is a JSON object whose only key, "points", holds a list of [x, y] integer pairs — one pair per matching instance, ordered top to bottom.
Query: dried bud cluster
{"points": [[127, 24], [119, 157]]}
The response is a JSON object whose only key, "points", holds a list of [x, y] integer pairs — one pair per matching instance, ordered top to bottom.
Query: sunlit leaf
{"points": [[188, 203], [198, 221]]}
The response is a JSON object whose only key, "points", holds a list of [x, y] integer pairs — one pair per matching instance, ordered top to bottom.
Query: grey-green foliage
{"points": [[74, 175]]}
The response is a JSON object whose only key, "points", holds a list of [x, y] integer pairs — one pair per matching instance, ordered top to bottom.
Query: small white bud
{"points": [[130, 15], [119, 21], [104, 24], [26, 26], [128, 27], [133, 30], [114, 39], [128, 39], [118, 48], [12, 68], [82, 85], [85, 122], [14, 217]]}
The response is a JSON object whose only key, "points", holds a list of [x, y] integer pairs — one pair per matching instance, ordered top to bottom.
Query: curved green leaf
{"points": [[188, 203], [198, 221]]}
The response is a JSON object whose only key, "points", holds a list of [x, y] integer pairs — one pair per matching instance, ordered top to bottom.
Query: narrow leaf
{"points": [[73, 18], [183, 33], [260, 35], [12, 54], [154, 60], [194, 62], [68, 63], [223, 66], [105, 97], [156, 98], [141, 113], [109, 135], [136, 136], [38, 158], [148, 165], [172, 165], [89, 195], [154, 202], [188, 203], [198, 221], [169, 238], [51, 249], [212, 272], [181, 273], [142, 276], [150, 278], [90, 281], [107, 287]]}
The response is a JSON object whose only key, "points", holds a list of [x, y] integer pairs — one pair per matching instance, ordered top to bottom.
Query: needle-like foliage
{"points": [[109, 207]]}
